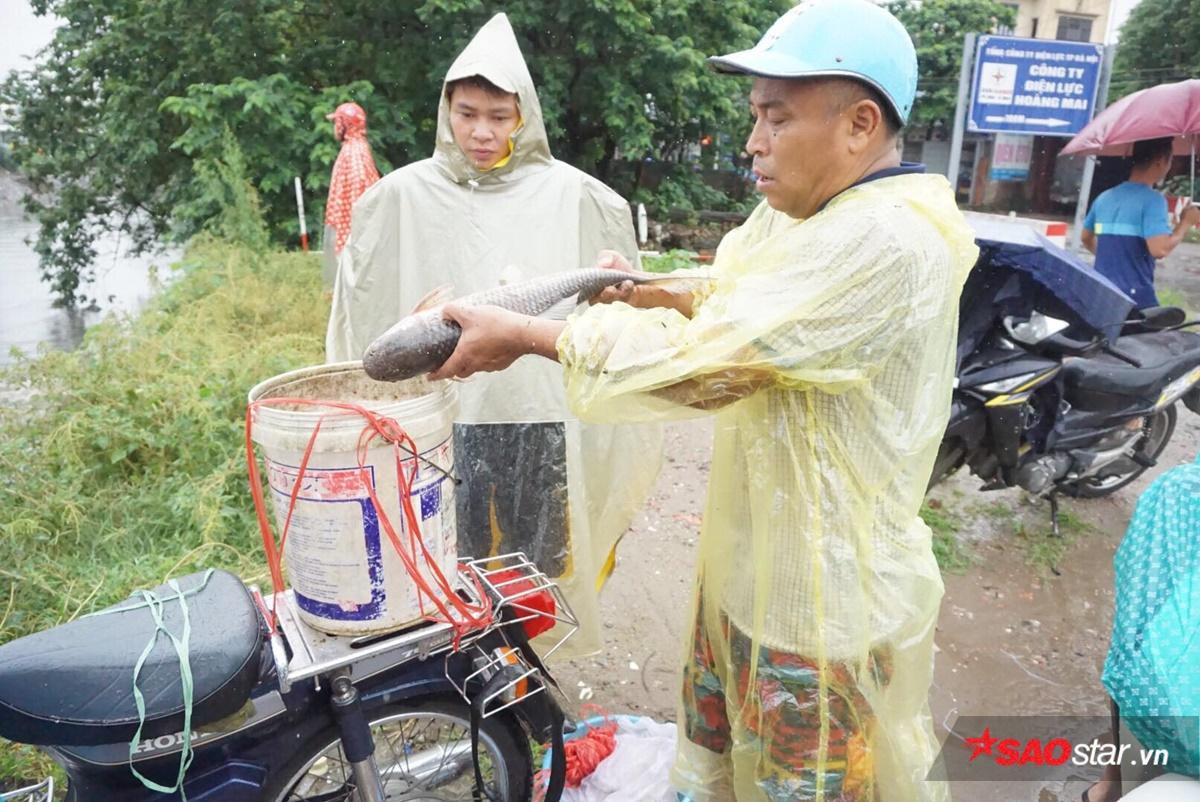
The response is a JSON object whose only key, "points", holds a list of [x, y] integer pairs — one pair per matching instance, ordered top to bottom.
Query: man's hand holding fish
{"points": [[493, 338]]}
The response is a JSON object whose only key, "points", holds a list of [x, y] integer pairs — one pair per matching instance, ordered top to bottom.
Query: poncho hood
{"points": [[495, 55]]}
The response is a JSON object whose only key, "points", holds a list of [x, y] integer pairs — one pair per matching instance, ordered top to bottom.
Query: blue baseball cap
{"points": [[830, 38]]}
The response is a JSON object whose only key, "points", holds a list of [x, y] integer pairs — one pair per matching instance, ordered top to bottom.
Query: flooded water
{"points": [[28, 317]]}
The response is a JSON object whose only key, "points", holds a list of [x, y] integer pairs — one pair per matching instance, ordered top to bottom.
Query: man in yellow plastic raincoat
{"points": [[493, 206], [826, 347]]}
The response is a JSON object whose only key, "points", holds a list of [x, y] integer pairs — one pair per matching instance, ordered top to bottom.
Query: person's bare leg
{"points": [[1108, 789]]}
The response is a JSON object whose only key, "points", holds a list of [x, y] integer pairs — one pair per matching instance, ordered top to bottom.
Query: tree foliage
{"points": [[937, 28], [1160, 43], [132, 108]]}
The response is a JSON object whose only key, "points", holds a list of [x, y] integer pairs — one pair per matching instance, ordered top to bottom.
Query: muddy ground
{"points": [[1013, 637]]}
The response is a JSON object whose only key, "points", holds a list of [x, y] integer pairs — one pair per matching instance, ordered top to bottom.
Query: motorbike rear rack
{"points": [[512, 580], [301, 652], [42, 792]]}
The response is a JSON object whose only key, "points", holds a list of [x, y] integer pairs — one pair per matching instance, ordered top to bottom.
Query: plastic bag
{"points": [[638, 770]]}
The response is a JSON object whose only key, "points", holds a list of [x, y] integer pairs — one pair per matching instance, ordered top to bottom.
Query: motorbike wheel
{"points": [[1158, 429], [950, 458], [423, 755]]}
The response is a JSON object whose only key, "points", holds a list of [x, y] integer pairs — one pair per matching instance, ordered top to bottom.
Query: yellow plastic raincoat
{"points": [[827, 345], [534, 478]]}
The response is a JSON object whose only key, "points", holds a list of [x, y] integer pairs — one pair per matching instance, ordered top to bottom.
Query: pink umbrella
{"points": [[1163, 110], [1160, 111]]}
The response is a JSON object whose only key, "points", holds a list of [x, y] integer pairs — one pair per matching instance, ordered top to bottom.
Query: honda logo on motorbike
{"points": [[165, 742]]}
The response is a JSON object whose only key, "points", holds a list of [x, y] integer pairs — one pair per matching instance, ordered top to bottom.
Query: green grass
{"points": [[669, 261], [1168, 296], [125, 463], [996, 510], [1029, 527], [1032, 530], [1043, 550], [952, 556], [537, 752], [22, 765]]}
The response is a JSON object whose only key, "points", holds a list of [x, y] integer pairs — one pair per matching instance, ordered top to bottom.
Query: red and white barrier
{"points": [[1175, 206], [1056, 233]]}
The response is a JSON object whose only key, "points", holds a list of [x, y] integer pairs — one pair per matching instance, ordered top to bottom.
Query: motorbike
{"points": [[1061, 386], [280, 712]]}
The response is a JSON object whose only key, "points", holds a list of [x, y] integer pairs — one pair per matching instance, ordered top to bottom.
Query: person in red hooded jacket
{"points": [[353, 173]]}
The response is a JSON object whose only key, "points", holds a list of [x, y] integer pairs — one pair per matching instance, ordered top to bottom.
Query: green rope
{"points": [[155, 603]]}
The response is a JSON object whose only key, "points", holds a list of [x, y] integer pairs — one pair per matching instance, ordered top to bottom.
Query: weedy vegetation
{"points": [[122, 463], [952, 556]]}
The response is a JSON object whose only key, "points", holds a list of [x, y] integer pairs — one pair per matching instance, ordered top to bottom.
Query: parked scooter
{"points": [[1061, 386], [290, 714]]}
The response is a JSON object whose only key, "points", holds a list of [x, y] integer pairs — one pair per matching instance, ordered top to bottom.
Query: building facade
{"points": [[1069, 20], [1042, 183]]}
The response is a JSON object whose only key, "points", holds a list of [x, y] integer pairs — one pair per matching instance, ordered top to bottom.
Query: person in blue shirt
{"points": [[1128, 226]]}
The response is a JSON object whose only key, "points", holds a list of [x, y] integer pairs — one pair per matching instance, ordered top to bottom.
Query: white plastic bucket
{"points": [[346, 574]]}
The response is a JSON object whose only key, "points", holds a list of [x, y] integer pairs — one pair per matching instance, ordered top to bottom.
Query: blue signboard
{"points": [[1034, 86], [995, 174]]}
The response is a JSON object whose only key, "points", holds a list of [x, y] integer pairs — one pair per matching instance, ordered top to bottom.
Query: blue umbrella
{"points": [[1055, 272]]}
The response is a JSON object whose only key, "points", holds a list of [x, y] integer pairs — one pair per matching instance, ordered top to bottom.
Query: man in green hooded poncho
{"points": [[493, 206]]}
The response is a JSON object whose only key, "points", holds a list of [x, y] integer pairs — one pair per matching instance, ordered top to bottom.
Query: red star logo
{"points": [[982, 744]]}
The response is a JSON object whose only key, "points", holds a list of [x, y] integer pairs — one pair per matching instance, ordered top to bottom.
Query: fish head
{"points": [[416, 344]]}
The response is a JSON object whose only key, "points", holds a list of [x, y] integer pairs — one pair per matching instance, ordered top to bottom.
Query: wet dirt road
{"points": [[1012, 638]]}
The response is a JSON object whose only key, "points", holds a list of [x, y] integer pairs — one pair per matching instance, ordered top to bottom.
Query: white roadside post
{"points": [[960, 110], [1089, 166], [300, 213]]}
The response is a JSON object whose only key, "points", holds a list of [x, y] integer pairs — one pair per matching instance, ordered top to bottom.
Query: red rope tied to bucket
{"points": [[448, 607]]}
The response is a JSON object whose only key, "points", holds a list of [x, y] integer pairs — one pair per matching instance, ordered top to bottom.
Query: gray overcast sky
{"points": [[1120, 12], [21, 34]]}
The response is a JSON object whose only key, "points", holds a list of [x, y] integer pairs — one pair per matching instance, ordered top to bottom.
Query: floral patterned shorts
{"points": [[783, 716]]}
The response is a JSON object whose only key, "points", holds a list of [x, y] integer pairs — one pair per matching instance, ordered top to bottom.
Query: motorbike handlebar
{"points": [[1070, 346]]}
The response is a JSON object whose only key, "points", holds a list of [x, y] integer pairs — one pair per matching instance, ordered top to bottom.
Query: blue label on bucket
{"points": [[337, 486], [431, 500], [332, 576], [362, 612]]}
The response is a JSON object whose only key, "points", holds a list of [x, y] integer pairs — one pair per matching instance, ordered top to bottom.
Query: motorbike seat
{"points": [[1164, 356], [73, 684]]}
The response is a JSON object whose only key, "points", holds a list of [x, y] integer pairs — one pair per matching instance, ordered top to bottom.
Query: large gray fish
{"points": [[423, 341]]}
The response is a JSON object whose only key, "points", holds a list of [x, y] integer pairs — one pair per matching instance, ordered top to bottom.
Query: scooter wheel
{"points": [[1158, 428], [422, 752]]}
